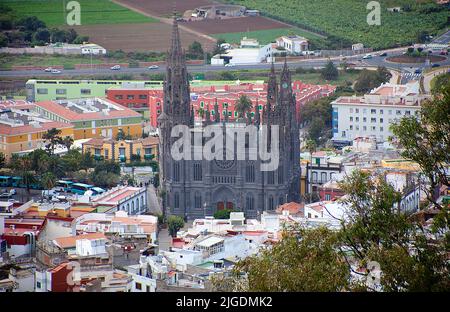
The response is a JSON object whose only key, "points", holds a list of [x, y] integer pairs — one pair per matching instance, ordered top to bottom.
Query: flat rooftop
{"points": [[87, 109], [15, 122]]}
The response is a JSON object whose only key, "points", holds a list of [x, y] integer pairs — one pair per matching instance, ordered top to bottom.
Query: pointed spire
{"points": [[216, 112], [257, 114]]}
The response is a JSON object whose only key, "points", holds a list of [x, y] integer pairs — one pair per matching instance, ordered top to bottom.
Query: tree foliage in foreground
{"points": [[411, 257]]}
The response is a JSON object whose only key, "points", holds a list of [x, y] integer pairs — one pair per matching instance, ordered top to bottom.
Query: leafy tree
{"points": [[31, 23], [42, 35], [3, 40], [217, 48], [195, 50], [330, 72], [369, 79], [440, 82], [243, 105], [317, 130], [426, 140], [72, 160], [87, 161], [223, 214], [175, 223], [376, 230], [304, 260]]}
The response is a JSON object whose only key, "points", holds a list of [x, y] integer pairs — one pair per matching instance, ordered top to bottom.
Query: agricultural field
{"points": [[164, 7], [53, 12], [347, 19], [231, 25], [264, 36], [138, 37]]}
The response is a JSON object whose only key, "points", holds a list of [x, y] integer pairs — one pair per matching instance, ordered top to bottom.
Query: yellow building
{"points": [[93, 118], [21, 131], [124, 150], [401, 164]]}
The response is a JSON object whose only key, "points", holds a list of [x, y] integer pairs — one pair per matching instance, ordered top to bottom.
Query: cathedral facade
{"points": [[194, 188]]}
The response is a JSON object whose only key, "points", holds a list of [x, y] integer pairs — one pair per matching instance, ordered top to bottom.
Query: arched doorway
{"points": [[224, 198], [225, 204]]}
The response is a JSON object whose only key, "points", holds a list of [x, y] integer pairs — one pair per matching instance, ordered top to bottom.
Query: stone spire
{"points": [[176, 85], [272, 88], [216, 112]]}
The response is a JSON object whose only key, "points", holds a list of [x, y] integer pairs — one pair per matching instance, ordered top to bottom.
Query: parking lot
{"points": [[22, 194]]}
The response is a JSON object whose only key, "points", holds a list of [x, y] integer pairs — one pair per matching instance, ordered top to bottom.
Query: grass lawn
{"points": [[53, 13], [264, 36], [9, 60], [344, 78]]}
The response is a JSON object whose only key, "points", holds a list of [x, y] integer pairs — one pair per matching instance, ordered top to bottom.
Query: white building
{"points": [[293, 44], [249, 52], [373, 113], [131, 199]]}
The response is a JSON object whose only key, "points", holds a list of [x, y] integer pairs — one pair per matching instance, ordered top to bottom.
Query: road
{"points": [[306, 63]]}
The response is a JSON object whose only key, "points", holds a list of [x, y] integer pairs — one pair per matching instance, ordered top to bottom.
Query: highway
{"points": [[306, 63]]}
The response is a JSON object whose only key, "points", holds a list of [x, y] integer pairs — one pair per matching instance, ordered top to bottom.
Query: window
{"points": [[42, 91], [60, 91], [85, 91], [142, 96], [118, 97], [130, 97], [202, 104], [357, 110], [373, 111], [381, 112], [398, 112], [407, 113], [351, 118], [357, 119], [364, 119], [373, 120], [381, 120], [351, 127], [176, 172], [197, 172], [250, 173], [280, 175], [270, 177], [314, 177], [323, 177], [327, 197], [176, 200], [198, 200], [249, 202], [270, 203], [38, 284], [138, 286]]}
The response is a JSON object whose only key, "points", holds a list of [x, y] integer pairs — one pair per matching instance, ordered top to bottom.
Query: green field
{"points": [[52, 12], [347, 19], [264, 36], [9, 60]]}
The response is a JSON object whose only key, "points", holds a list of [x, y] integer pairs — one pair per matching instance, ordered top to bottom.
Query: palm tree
{"points": [[243, 105], [53, 139], [67, 141], [48, 180]]}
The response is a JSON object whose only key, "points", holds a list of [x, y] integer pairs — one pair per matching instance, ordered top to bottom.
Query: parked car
{"points": [[383, 54], [367, 56], [229, 65], [435, 65], [115, 67], [153, 67], [48, 69], [55, 71], [418, 71], [5, 195]]}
